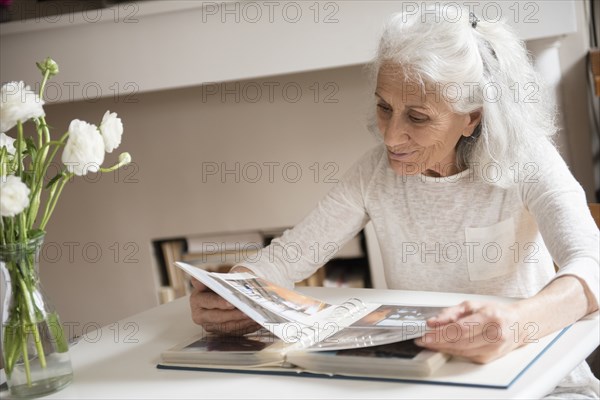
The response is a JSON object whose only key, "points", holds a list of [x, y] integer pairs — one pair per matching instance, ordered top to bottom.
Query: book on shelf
{"points": [[224, 243], [219, 252], [221, 258], [178, 281], [305, 334]]}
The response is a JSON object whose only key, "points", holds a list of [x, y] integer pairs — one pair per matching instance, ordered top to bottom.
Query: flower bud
{"points": [[48, 65], [124, 159]]}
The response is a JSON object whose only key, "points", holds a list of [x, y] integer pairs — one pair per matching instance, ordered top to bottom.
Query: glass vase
{"points": [[35, 349]]}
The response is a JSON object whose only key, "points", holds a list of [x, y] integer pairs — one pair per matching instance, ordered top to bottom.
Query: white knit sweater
{"points": [[454, 234]]}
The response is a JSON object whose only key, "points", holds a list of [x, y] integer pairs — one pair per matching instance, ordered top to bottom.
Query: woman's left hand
{"points": [[480, 332]]}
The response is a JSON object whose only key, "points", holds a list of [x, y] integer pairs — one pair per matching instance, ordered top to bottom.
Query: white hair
{"points": [[479, 65]]}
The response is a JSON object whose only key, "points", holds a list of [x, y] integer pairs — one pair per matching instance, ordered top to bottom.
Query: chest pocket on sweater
{"points": [[489, 253]]}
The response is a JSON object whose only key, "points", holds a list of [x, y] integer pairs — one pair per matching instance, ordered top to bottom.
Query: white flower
{"points": [[18, 103], [111, 128], [8, 142], [84, 151], [15, 196]]}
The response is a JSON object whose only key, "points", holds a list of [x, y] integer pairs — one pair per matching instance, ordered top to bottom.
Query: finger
{"points": [[198, 285], [210, 300], [199, 309], [453, 314], [203, 316], [220, 316], [243, 325], [475, 330], [452, 342], [482, 347], [480, 355]]}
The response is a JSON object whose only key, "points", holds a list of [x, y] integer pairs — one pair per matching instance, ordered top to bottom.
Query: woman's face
{"points": [[419, 128]]}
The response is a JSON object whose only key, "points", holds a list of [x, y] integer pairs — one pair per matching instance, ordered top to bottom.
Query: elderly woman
{"points": [[466, 193]]}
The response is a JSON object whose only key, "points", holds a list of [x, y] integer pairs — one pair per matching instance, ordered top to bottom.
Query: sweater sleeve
{"points": [[558, 204], [337, 218]]}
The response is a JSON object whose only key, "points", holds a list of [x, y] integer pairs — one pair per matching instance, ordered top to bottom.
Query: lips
{"points": [[401, 156]]}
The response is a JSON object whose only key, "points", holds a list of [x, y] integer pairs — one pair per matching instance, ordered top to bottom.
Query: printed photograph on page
{"points": [[290, 304]]}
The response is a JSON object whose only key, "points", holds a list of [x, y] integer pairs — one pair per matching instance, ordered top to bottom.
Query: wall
{"points": [[172, 44], [170, 135]]}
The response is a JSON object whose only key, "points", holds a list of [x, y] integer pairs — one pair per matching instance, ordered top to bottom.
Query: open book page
{"points": [[291, 305], [258, 314], [290, 315], [308, 323], [382, 325], [256, 349], [262, 350], [384, 361]]}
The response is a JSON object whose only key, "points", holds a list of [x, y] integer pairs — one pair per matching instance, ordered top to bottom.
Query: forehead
{"points": [[395, 85]]}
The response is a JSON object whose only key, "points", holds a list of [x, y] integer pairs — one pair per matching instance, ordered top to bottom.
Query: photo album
{"points": [[303, 334]]}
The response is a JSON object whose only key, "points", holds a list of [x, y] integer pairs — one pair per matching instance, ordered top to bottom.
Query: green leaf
{"points": [[30, 147], [27, 177], [55, 179], [35, 233]]}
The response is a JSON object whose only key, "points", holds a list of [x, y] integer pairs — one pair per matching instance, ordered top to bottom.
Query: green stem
{"points": [[43, 85], [42, 127], [38, 130], [46, 134], [60, 142], [54, 143], [19, 148], [43, 152], [3, 161], [39, 183], [54, 195], [46, 216], [22, 220], [23, 227], [10, 231], [13, 231], [2, 236], [27, 298], [30, 316], [12, 344], [39, 346], [26, 357]]}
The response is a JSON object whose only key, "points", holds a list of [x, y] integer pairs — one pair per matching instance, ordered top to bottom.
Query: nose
{"points": [[395, 133]]}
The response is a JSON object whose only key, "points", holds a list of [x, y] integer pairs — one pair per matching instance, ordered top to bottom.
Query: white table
{"points": [[120, 362]]}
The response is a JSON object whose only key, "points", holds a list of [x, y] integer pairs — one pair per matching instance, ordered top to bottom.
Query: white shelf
{"points": [[155, 45]]}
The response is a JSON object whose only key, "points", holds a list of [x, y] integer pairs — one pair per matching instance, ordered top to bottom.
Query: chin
{"points": [[406, 168]]}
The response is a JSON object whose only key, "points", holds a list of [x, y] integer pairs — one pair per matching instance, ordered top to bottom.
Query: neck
{"points": [[444, 167], [440, 171]]}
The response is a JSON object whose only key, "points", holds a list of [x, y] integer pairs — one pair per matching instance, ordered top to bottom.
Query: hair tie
{"points": [[473, 20]]}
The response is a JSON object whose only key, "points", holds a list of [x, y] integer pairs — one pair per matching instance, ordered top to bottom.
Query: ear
{"points": [[474, 119]]}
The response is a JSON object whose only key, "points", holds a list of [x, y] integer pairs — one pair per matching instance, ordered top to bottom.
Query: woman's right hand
{"points": [[216, 314]]}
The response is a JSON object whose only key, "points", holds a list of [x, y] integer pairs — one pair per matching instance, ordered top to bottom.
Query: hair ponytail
{"points": [[518, 112]]}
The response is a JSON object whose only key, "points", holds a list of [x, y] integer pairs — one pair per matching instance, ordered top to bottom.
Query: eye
{"points": [[384, 108], [417, 118]]}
